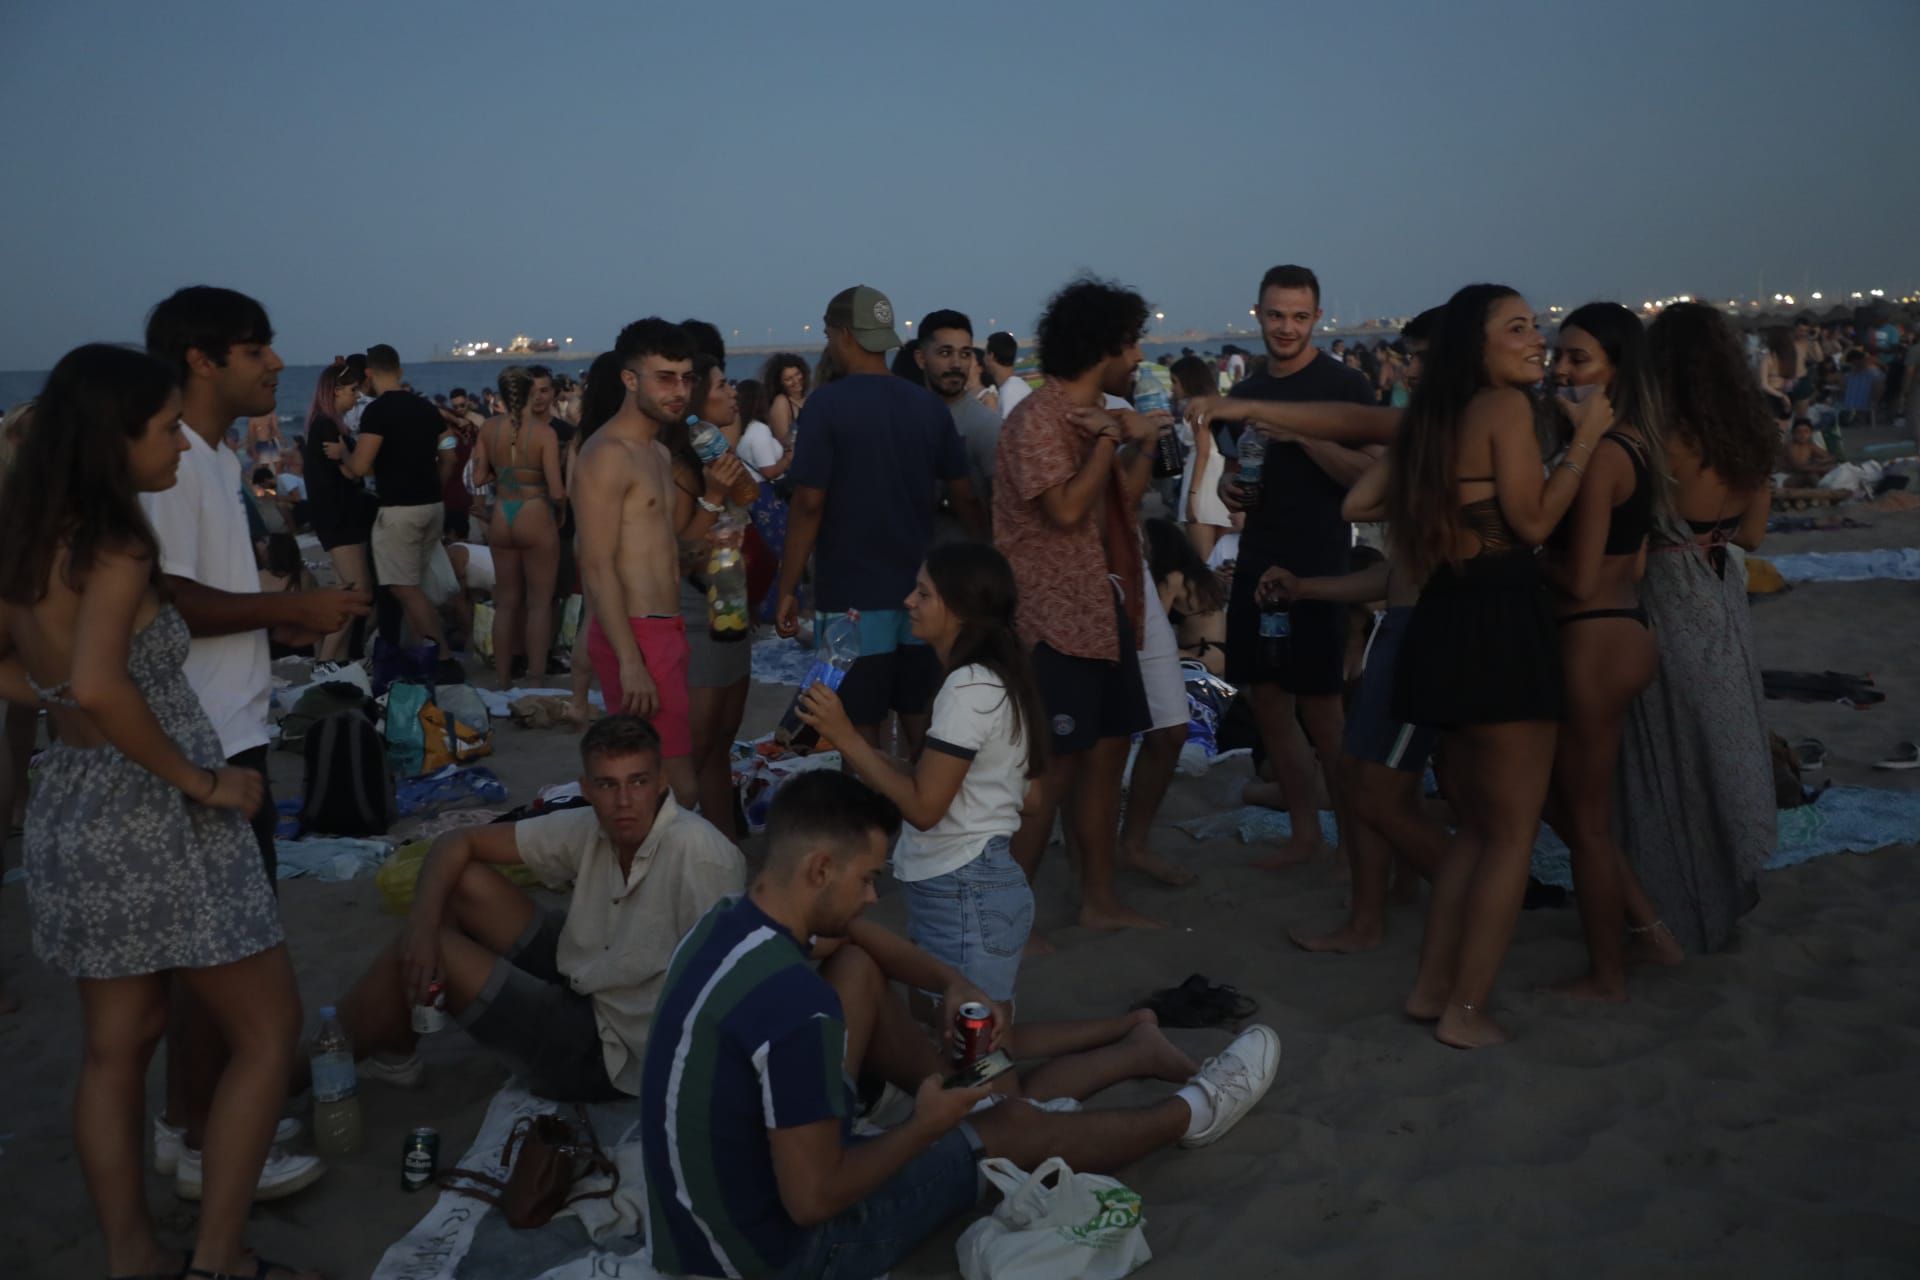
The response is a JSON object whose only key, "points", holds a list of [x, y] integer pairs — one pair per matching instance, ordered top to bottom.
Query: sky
{"points": [[425, 173]]}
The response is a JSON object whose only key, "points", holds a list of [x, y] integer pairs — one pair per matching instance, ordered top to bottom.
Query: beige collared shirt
{"points": [[621, 930]]}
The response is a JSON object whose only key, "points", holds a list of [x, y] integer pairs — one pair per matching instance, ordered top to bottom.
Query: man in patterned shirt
{"points": [[1068, 477]]}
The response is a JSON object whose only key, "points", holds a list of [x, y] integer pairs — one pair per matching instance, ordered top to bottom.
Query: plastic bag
{"points": [[483, 629], [406, 735], [399, 874], [1055, 1225]]}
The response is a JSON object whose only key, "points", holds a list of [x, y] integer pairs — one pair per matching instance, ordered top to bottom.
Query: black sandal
{"points": [[1199, 1003]]}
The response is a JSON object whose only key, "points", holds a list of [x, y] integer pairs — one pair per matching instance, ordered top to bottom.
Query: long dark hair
{"points": [[777, 365], [604, 394], [1712, 397], [753, 401], [1635, 402], [70, 481], [1423, 505], [1169, 552], [975, 582]]}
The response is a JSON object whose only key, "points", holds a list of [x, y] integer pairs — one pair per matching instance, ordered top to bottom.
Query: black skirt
{"points": [[1481, 647]]}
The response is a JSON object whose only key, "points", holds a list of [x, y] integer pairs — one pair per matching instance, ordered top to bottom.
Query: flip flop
{"points": [[1905, 756], [1199, 1003]]}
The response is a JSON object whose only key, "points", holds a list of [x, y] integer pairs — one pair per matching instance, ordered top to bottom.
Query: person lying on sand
{"points": [[566, 998], [750, 1070]]}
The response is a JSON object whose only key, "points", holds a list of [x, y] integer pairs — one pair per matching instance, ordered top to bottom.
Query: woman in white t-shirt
{"points": [[968, 901]]}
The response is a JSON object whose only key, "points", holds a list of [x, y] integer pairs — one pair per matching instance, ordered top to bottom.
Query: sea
{"points": [[440, 377]]}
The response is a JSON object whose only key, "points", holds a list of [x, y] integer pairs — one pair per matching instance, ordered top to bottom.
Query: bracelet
{"points": [[1574, 467], [715, 507], [213, 782]]}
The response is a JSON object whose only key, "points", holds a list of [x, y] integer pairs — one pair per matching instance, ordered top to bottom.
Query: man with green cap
{"points": [[873, 454]]}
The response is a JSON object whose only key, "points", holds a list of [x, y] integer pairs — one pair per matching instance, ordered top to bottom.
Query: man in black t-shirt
{"points": [[399, 445], [1295, 523]]}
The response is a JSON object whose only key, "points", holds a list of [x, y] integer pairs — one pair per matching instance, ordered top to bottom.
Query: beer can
{"points": [[431, 1016], [973, 1032], [420, 1159]]}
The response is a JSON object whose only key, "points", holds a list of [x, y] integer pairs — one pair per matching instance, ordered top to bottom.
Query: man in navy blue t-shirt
{"points": [[871, 454], [747, 1095]]}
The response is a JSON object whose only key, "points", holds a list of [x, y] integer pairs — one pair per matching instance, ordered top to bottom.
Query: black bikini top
{"points": [[1632, 518], [1485, 521]]}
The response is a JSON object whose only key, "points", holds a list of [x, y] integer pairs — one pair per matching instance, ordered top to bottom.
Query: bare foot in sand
{"points": [[1290, 854], [1155, 867], [1115, 916], [1344, 941], [1655, 945], [1036, 946], [1588, 987], [1425, 1004], [1465, 1028], [1162, 1058]]}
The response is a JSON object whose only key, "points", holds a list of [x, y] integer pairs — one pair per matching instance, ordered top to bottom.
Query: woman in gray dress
{"points": [[1696, 808], [140, 864]]}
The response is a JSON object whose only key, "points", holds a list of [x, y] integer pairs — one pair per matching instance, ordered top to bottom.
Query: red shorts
{"points": [[663, 647]]}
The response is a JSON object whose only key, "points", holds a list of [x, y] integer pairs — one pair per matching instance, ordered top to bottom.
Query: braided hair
{"points": [[516, 389]]}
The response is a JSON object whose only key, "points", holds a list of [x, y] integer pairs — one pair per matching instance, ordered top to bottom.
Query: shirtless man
{"points": [[629, 561]]}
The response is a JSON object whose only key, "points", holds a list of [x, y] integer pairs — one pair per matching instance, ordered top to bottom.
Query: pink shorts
{"points": [[663, 647]]}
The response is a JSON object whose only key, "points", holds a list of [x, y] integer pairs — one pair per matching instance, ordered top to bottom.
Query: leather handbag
{"points": [[544, 1156]]}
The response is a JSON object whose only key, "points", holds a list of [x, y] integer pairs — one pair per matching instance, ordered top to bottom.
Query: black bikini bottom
{"points": [[1638, 615]]}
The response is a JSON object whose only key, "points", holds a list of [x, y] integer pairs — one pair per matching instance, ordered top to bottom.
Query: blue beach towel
{"points": [[1901, 564], [781, 662]]}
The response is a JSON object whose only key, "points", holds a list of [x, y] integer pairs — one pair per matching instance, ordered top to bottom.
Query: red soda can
{"points": [[973, 1032]]}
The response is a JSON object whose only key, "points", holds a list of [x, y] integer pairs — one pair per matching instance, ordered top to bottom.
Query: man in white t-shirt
{"points": [[220, 344], [1002, 351]]}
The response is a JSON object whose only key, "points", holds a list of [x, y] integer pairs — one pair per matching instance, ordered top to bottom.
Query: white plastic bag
{"points": [[1055, 1225]]}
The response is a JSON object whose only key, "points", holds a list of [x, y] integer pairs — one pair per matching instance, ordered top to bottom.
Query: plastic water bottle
{"points": [[1150, 396], [708, 442], [1253, 463], [727, 582], [1276, 633], [839, 650], [336, 1089]]}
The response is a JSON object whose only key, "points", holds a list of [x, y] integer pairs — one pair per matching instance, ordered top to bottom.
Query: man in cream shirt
{"points": [[566, 998]]}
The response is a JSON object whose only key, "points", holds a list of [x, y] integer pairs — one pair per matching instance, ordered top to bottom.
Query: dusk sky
{"points": [[421, 173]]}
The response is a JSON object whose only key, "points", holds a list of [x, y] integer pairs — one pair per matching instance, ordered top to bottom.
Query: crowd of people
{"points": [[1547, 606]]}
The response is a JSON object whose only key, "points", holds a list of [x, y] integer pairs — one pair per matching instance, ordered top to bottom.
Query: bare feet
{"points": [[1293, 853], [1155, 867], [1115, 916], [1344, 941], [1655, 945], [1036, 946], [1588, 987], [1425, 1004], [1466, 1028], [1162, 1058]]}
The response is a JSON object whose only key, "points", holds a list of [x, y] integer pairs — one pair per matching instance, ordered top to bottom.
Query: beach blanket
{"points": [[1899, 564], [778, 661], [500, 701], [449, 788], [1841, 820], [328, 858], [460, 1238]]}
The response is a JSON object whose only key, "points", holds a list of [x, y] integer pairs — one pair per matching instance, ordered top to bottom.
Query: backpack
{"points": [[315, 705], [348, 791]]}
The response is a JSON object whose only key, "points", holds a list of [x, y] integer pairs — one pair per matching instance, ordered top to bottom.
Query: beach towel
{"points": [[1901, 564], [779, 661], [500, 701], [449, 788], [1841, 820], [329, 858], [460, 1238]]}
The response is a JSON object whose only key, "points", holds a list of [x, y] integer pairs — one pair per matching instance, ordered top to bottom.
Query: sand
{"points": [[1748, 1114]]}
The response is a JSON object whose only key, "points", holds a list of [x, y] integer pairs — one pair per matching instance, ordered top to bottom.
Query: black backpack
{"points": [[348, 789]]}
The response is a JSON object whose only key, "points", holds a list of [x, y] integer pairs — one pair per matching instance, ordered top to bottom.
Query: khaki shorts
{"points": [[403, 542]]}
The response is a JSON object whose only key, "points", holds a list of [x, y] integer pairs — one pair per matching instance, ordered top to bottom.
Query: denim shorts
{"points": [[976, 918], [882, 1231]]}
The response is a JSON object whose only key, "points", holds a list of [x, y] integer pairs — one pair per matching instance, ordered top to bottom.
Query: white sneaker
{"points": [[401, 1073], [1236, 1078], [169, 1141], [282, 1175]]}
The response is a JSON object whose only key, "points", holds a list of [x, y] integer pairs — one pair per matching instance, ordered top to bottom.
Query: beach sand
{"points": [[1749, 1114]]}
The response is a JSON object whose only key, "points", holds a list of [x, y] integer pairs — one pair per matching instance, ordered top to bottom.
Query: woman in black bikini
{"points": [[1466, 502], [1607, 651], [1697, 817]]}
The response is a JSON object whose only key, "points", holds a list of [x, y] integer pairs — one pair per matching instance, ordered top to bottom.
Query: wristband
{"points": [[715, 507], [213, 783]]}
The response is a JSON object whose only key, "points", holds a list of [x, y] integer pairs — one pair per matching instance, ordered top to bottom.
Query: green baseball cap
{"points": [[867, 313]]}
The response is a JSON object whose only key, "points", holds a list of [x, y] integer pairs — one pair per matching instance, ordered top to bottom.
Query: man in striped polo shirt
{"points": [[748, 1090]]}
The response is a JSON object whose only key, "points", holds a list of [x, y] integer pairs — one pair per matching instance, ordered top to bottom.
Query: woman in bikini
{"points": [[787, 382], [521, 450], [1466, 502], [1607, 651], [1697, 816]]}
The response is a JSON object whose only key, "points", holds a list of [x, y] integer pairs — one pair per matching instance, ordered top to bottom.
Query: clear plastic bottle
{"points": [[1150, 396], [708, 442], [1253, 464], [727, 582], [1276, 634], [839, 650], [336, 1090]]}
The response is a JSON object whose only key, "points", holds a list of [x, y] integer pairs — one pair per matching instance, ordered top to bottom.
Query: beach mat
{"points": [[1901, 564], [778, 661], [1841, 820], [462, 1239]]}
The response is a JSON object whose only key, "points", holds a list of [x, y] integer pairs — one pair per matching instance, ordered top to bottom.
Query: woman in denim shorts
{"points": [[968, 902]]}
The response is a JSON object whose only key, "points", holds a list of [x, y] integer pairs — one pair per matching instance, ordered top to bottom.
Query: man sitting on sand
{"points": [[567, 998], [751, 1167]]}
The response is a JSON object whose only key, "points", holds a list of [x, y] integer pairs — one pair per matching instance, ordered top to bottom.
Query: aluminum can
{"points": [[432, 1015], [973, 1032], [420, 1159]]}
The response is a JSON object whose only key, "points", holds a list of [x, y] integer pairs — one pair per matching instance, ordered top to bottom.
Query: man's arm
{"points": [[1341, 421], [359, 463], [1342, 465], [601, 480], [1067, 504], [966, 505], [803, 530], [209, 611], [446, 861], [908, 965], [821, 1177]]}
